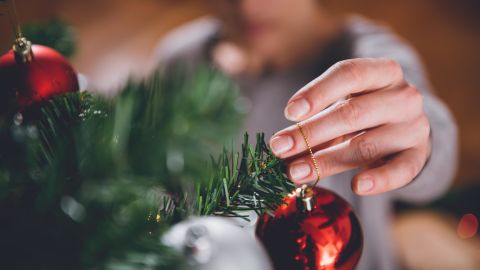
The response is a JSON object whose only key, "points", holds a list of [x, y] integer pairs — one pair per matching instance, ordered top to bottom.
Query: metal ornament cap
{"points": [[22, 49], [305, 198]]}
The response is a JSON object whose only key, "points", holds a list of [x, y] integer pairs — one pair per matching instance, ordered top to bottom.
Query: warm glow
{"points": [[468, 226], [329, 253]]}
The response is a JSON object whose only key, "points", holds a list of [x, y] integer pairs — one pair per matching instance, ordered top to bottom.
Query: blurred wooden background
{"points": [[116, 38]]}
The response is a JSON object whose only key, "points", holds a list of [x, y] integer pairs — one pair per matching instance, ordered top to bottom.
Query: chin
{"points": [[263, 43], [265, 48]]}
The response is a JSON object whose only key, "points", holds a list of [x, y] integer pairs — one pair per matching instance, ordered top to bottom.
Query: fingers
{"points": [[344, 78], [383, 113], [347, 117], [363, 149], [396, 173]]}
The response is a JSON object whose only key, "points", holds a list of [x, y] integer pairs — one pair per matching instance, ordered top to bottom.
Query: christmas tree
{"points": [[89, 182]]}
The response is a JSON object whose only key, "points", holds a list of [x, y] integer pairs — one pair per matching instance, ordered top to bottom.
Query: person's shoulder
{"points": [[375, 39], [186, 43]]}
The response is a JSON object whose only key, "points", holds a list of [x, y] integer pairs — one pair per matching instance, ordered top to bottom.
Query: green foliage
{"points": [[55, 34], [254, 181], [92, 183]]}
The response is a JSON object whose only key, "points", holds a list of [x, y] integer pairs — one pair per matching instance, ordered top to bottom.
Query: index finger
{"points": [[342, 79]]}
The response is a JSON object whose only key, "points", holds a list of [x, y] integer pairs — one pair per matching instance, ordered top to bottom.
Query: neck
{"points": [[311, 38], [308, 43]]}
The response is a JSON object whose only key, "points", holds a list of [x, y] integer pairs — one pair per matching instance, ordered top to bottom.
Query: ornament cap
{"points": [[23, 50], [305, 196]]}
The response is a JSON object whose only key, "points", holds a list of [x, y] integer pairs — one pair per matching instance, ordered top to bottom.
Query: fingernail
{"points": [[297, 109], [281, 144], [300, 170], [365, 185]]}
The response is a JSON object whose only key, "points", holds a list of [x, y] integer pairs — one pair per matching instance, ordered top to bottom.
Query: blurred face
{"points": [[266, 25]]}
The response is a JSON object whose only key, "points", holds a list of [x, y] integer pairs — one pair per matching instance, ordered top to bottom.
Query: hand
{"points": [[379, 126]]}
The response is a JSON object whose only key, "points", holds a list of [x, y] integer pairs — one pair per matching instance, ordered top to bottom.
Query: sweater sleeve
{"points": [[370, 40], [185, 47]]}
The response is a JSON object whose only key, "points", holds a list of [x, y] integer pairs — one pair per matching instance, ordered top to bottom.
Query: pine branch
{"points": [[254, 181]]}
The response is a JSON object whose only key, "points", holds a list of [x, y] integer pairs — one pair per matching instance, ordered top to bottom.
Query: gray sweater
{"points": [[268, 94]]}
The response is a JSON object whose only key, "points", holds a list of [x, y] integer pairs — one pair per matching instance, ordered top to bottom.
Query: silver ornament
{"points": [[214, 243]]}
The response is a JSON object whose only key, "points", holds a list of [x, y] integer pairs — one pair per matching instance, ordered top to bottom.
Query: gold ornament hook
{"points": [[11, 12], [21, 47], [23, 50], [314, 160], [305, 193]]}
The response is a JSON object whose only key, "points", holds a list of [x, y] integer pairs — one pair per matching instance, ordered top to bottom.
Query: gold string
{"points": [[11, 10], [18, 31], [314, 160]]}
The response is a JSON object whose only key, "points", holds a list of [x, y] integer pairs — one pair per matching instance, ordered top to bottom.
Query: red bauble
{"points": [[44, 74], [327, 237]]}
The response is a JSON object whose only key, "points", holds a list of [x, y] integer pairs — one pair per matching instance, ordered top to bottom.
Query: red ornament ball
{"points": [[45, 73], [327, 237]]}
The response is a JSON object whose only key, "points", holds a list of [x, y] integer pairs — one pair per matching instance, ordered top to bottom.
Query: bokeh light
{"points": [[468, 226]]}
